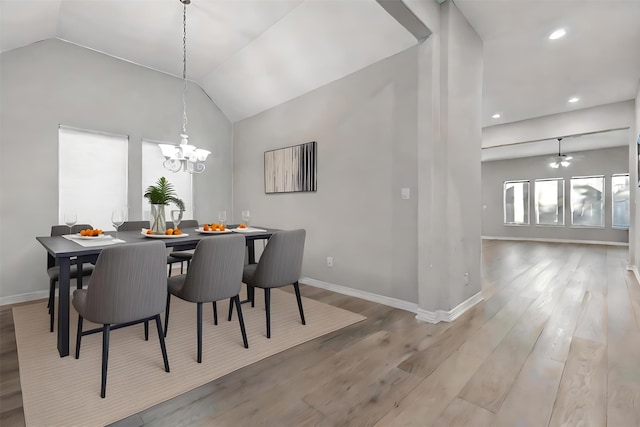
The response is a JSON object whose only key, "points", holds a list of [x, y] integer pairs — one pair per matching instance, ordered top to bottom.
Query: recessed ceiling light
{"points": [[557, 34], [574, 99], [496, 116]]}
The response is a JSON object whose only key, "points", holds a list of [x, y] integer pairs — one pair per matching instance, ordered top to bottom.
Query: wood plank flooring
{"points": [[556, 342]]}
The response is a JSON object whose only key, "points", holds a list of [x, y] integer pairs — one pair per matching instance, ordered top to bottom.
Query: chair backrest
{"points": [[189, 223], [134, 225], [59, 230], [281, 262], [215, 271], [128, 283]]}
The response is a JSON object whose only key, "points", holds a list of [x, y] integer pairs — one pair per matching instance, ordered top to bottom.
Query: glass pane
{"points": [[92, 169], [152, 170], [620, 197], [587, 201], [516, 202], [550, 202]]}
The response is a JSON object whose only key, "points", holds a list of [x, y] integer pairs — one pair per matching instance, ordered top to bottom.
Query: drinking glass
{"points": [[246, 216], [118, 217], [176, 217], [222, 217], [70, 218]]}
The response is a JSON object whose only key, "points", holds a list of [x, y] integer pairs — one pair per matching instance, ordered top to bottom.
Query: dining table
{"points": [[70, 249]]}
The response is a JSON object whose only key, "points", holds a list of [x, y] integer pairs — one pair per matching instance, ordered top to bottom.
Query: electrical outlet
{"points": [[329, 261]]}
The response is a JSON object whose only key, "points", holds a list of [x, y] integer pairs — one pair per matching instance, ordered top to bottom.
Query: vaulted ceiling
{"points": [[251, 55]]}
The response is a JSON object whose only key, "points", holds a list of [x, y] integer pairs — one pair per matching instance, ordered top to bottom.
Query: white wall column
{"points": [[449, 143]]}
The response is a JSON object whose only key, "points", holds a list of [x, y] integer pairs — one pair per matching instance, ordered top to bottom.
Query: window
{"points": [[152, 170], [92, 175], [620, 200], [587, 201], [516, 202], [549, 202]]}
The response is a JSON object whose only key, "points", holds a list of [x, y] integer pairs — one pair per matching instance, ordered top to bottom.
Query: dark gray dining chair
{"points": [[134, 225], [182, 256], [280, 265], [54, 271], [215, 274], [128, 286]]}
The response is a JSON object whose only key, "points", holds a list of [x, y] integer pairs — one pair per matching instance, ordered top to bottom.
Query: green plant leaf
{"points": [[163, 193]]}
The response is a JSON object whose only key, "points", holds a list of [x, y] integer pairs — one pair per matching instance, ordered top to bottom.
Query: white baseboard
{"points": [[536, 239], [634, 270], [30, 296], [380, 299], [422, 315], [451, 315]]}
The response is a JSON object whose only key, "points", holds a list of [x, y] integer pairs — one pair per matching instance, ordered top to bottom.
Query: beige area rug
{"points": [[66, 392]]}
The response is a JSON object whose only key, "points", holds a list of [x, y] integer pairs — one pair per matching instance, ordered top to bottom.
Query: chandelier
{"points": [[184, 156]]}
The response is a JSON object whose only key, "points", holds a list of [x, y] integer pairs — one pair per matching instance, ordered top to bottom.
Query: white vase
{"points": [[158, 221]]}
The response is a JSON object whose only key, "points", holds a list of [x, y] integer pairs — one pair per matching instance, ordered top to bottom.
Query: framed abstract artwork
{"points": [[291, 169]]}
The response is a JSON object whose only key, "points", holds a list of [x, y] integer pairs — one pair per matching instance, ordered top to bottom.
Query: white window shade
{"points": [[92, 175]]}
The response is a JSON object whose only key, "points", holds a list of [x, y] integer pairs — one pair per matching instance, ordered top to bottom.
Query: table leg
{"points": [[63, 307]]}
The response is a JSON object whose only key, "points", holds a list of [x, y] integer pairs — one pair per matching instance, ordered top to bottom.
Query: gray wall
{"points": [[54, 82], [365, 126], [595, 162]]}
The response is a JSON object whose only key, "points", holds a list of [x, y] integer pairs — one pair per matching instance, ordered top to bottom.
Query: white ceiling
{"points": [[250, 55]]}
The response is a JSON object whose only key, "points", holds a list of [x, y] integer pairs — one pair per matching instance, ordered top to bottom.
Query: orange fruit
{"points": [[242, 226], [206, 227], [222, 228], [149, 231], [83, 232], [169, 232], [177, 232]]}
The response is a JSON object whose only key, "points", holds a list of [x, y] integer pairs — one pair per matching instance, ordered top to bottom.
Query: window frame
{"points": [[562, 201], [504, 203], [613, 205], [604, 210]]}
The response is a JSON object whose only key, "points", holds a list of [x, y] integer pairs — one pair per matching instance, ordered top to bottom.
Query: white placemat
{"points": [[248, 230], [90, 243]]}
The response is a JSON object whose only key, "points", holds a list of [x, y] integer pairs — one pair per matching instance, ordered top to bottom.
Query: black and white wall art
{"points": [[291, 169]]}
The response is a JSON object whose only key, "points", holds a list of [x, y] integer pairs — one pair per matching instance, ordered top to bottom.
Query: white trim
{"points": [[542, 239], [634, 270], [30, 296], [380, 299], [451, 315]]}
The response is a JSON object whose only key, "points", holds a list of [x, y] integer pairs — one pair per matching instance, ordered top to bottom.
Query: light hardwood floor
{"points": [[556, 342]]}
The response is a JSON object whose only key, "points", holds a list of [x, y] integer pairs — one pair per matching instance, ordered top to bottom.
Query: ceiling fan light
{"points": [[559, 33], [565, 163], [554, 165]]}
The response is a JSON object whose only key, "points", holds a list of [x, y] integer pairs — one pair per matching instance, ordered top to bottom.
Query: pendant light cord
{"points": [[184, 68]]}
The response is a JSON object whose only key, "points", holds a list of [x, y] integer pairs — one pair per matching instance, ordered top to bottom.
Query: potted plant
{"points": [[159, 196]]}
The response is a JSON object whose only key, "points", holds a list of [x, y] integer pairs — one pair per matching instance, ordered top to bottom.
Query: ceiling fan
{"points": [[561, 159]]}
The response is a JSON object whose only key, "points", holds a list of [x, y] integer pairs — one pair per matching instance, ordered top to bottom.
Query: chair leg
{"points": [[296, 287], [251, 293], [52, 304], [267, 306], [231, 309], [215, 313], [166, 314], [240, 319], [146, 330], [199, 332], [78, 337], [163, 347], [105, 359]]}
